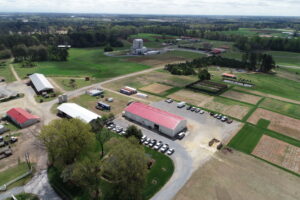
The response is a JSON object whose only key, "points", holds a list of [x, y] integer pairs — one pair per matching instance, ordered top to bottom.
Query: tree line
{"points": [[251, 61]]}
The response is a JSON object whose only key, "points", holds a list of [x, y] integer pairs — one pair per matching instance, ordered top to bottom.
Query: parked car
{"points": [[169, 100], [181, 104], [188, 107], [193, 109], [197, 110], [201, 112], [212, 114], [216, 115], [219, 117], [224, 119], [229, 121], [181, 135], [1, 138], [13, 139], [143, 139], [147, 141], [152, 143], [158, 145], [164, 148], [170, 151]]}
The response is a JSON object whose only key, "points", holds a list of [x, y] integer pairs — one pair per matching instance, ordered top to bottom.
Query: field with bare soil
{"points": [[156, 88], [252, 99], [227, 107], [278, 123], [279, 153], [239, 176]]}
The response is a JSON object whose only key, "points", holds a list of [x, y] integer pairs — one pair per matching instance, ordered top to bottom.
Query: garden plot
{"points": [[156, 88], [248, 98], [224, 106], [279, 123], [279, 153]]}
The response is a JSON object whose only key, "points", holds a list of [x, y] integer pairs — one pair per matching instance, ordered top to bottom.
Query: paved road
{"points": [[182, 161]]}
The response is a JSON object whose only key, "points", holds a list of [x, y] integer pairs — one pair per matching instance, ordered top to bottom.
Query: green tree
{"points": [[203, 75], [134, 131], [66, 140], [126, 167], [87, 173]]}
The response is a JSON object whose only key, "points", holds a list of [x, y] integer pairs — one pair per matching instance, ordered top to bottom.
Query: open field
{"points": [[248, 32], [165, 58], [286, 58], [85, 62], [5, 71], [150, 78], [64, 82], [265, 84], [156, 88], [242, 97], [225, 106], [282, 107], [279, 123], [279, 153], [14, 172], [239, 176]]}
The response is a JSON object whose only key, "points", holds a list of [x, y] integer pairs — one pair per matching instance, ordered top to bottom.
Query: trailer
{"points": [[125, 91], [103, 106]]}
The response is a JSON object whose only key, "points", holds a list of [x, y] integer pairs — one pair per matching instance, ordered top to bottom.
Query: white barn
{"points": [[40, 83], [72, 110], [156, 119]]}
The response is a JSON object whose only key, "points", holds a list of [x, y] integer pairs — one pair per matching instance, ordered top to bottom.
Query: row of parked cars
{"points": [[223, 118], [115, 128], [157, 145]]}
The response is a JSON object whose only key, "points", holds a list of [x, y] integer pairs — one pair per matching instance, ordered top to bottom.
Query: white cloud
{"points": [[196, 7]]}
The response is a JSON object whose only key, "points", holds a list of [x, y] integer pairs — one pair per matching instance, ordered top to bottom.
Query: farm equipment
{"points": [[213, 141]]}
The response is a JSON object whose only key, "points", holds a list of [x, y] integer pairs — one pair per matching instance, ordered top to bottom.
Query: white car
{"points": [[181, 135], [147, 141], [170, 151]]}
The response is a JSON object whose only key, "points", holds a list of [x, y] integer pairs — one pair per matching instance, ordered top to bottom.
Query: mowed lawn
{"points": [[286, 58], [85, 62], [5, 71], [266, 83], [281, 107]]}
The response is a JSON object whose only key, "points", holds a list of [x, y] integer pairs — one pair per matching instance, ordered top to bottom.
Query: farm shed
{"points": [[226, 75], [40, 83], [94, 92], [72, 110], [21, 117], [154, 118]]}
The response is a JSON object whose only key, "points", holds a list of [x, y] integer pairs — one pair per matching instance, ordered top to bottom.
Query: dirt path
{"points": [[11, 66]]}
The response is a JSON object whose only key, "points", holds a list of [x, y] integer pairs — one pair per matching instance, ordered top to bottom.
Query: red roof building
{"points": [[229, 75], [21, 117], [155, 118]]}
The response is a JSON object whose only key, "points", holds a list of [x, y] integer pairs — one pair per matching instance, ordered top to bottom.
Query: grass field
{"points": [[248, 32], [286, 58], [85, 62], [5, 71], [64, 82], [266, 83], [282, 107], [14, 172]]}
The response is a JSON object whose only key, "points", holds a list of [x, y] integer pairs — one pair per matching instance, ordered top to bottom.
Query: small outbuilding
{"points": [[226, 75], [40, 83], [72, 110], [21, 117], [156, 119]]}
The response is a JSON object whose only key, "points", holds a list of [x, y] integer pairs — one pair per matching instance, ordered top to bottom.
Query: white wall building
{"points": [[40, 83], [72, 110]]}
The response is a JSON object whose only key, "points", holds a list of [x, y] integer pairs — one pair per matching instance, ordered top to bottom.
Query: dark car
{"points": [[189, 107], [193, 109], [212, 114], [229, 121]]}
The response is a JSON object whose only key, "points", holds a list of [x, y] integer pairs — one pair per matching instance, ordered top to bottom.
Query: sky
{"points": [[173, 7]]}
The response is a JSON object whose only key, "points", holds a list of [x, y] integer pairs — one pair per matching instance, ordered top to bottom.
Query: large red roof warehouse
{"points": [[20, 115], [155, 115]]}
